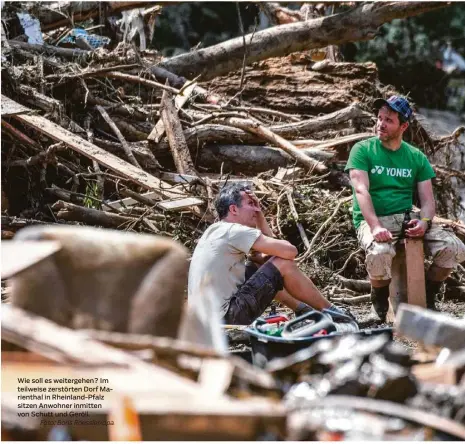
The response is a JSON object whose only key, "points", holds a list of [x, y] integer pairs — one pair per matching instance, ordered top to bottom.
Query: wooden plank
{"points": [[179, 101], [10, 107], [174, 132], [84, 147], [177, 178], [129, 201], [179, 204], [171, 205], [19, 256], [414, 257], [430, 328]]}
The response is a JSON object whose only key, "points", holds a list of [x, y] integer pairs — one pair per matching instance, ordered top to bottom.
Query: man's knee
{"points": [[451, 251], [378, 260], [283, 265]]}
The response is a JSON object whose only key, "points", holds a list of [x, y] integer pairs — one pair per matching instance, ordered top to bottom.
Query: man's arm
{"points": [[361, 185], [425, 193], [428, 208], [262, 224], [275, 247]]}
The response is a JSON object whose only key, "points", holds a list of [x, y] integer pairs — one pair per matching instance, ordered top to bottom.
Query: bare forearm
{"points": [[366, 207], [428, 209], [263, 226]]}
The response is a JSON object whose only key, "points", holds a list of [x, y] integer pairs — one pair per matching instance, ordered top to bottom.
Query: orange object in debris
{"points": [[126, 424]]}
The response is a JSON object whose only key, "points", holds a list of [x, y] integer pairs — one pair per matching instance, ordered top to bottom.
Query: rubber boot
{"points": [[432, 290], [380, 301]]}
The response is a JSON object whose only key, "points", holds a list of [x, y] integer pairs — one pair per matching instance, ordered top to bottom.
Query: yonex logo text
{"points": [[393, 172]]}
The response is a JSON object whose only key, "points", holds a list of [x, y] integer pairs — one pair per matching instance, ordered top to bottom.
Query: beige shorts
{"points": [[446, 249]]}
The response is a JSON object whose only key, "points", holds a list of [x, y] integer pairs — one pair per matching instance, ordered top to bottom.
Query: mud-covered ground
{"points": [[362, 313]]}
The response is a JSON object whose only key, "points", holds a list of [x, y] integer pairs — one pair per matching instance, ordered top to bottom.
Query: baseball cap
{"points": [[396, 103]]}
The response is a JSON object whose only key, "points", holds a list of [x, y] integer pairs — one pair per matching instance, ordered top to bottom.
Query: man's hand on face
{"points": [[254, 198], [418, 229], [381, 234]]}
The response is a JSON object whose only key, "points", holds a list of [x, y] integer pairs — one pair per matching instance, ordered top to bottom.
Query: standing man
{"points": [[385, 171], [243, 291]]}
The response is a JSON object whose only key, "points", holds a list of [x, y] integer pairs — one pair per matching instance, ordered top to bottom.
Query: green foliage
{"points": [[182, 26], [406, 52], [91, 195]]}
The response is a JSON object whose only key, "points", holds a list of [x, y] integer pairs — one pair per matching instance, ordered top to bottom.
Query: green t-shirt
{"points": [[393, 175]]}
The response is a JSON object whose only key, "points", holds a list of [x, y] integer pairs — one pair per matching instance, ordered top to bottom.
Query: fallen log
{"points": [[359, 23], [52, 50], [258, 129], [294, 130], [252, 159], [91, 216], [354, 284], [355, 300]]}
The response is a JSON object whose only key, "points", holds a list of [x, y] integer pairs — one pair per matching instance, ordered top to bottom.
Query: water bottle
{"points": [[405, 223]]}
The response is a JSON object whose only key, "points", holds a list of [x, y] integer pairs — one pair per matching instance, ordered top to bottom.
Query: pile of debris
{"points": [[98, 130], [106, 136], [161, 388]]}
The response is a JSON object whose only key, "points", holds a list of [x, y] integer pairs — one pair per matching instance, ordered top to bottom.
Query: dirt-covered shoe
{"points": [[380, 301], [343, 311]]}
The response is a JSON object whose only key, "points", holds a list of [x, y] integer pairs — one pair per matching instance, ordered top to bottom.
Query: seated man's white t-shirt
{"points": [[219, 262]]}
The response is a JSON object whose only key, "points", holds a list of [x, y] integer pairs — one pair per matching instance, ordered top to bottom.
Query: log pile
{"points": [[110, 137]]}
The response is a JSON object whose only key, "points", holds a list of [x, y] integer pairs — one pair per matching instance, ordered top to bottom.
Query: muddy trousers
{"points": [[446, 249]]}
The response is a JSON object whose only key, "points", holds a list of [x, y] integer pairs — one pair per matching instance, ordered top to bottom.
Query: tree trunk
{"points": [[360, 23], [265, 133], [251, 159], [71, 212]]}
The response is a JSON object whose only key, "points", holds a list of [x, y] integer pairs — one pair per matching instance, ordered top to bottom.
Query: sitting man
{"points": [[384, 171], [243, 290]]}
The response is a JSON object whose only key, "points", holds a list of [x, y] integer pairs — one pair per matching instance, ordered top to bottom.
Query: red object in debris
{"points": [[275, 319], [322, 332]]}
